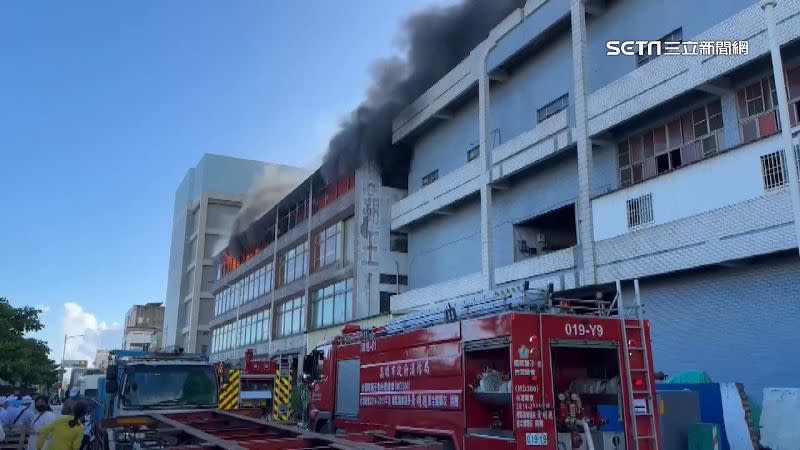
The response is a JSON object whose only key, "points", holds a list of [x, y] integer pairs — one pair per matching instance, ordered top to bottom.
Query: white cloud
{"points": [[94, 334]]}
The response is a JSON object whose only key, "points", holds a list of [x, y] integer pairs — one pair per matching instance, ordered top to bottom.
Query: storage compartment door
{"points": [[347, 387]]}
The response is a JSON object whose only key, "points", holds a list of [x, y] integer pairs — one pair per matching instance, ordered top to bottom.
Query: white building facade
{"points": [[540, 158], [206, 203]]}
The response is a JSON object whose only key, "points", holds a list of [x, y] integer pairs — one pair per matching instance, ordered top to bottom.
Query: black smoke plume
{"points": [[436, 40]]}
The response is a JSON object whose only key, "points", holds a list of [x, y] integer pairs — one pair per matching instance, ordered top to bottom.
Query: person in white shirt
{"points": [[12, 409], [3, 412], [25, 414], [43, 417]]}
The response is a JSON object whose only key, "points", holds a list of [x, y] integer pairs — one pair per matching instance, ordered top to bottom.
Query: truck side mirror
{"points": [[112, 372], [111, 386]]}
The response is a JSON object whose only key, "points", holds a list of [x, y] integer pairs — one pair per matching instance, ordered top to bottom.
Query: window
{"points": [[674, 36], [757, 104], [552, 108], [694, 135], [473, 153], [773, 170], [430, 178], [640, 210], [398, 242], [327, 246], [295, 263], [386, 278], [266, 279], [333, 304], [386, 304], [291, 317]]}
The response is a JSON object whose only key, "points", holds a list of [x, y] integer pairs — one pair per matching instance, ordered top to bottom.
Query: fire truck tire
{"points": [[325, 427]]}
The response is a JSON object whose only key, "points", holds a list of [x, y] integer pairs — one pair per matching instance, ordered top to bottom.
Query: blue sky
{"points": [[105, 105]]}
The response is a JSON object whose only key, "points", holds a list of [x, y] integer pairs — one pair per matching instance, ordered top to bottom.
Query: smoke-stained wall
{"points": [[373, 255]]}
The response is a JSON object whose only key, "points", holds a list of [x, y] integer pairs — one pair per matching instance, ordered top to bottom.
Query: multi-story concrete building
{"points": [[542, 158], [206, 204], [323, 256], [143, 327], [101, 359]]}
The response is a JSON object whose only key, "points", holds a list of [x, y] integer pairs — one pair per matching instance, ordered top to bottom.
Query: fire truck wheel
{"points": [[325, 427]]}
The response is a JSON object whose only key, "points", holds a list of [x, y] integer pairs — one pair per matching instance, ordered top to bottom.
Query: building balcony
{"points": [[515, 32], [666, 77], [524, 150], [729, 206], [557, 267]]}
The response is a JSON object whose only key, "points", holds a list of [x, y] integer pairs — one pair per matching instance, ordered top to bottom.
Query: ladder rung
{"points": [[633, 327], [638, 349], [638, 370], [641, 392], [649, 436]]}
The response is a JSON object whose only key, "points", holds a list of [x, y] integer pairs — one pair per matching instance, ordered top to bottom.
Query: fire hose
{"points": [[587, 433]]}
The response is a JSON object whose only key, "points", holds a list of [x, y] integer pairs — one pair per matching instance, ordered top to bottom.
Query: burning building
{"points": [[207, 202], [322, 256]]}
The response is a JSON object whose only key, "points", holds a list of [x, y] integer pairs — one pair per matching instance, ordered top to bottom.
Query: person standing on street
{"points": [[69, 403], [12, 409], [3, 411], [25, 414], [44, 416], [65, 433]]}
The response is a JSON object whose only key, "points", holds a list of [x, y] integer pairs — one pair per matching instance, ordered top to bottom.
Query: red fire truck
{"points": [[512, 370]]}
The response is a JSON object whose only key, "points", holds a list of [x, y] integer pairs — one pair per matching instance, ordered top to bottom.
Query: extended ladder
{"points": [[637, 371]]}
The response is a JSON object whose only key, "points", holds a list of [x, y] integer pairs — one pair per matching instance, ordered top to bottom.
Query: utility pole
{"points": [[783, 111], [64, 354]]}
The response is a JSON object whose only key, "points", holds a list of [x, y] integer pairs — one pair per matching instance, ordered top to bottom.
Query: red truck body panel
{"points": [[417, 382]]}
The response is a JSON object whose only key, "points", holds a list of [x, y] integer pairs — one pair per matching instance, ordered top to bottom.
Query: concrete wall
{"points": [[646, 20], [542, 79], [445, 146], [372, 221], [443, 247], [739, 322]]}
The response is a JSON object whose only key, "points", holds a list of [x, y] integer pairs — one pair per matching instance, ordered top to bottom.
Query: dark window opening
{"points": [[473, 153], [430, 178], [546, 233], [398, 242], [386, 278], [386, 304]]}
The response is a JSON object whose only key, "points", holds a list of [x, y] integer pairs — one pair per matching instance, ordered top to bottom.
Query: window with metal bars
{"points": [[552, 108], [473, 153], [773, 170], [430, 178], [640, 210]]}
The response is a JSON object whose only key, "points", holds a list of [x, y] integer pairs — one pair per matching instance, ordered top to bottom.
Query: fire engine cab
{"points": [[512, 370]]}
